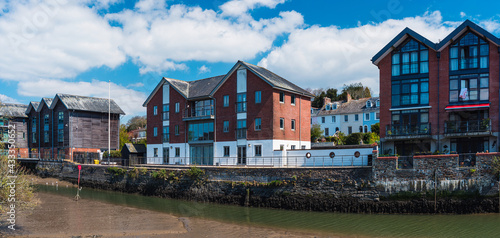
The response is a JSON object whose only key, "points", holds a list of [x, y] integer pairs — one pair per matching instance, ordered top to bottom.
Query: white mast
{"points": [[109, 120]]}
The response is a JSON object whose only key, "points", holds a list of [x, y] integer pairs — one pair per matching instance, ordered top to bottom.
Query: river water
{"points": [[480, 225]]}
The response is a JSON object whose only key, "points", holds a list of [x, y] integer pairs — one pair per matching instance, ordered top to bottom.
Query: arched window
{"points": [[336, 129], [360, 129], [366, 129]]}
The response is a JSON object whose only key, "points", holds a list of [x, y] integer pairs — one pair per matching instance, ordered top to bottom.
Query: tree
{"points": [[356, 90], [332, 94], [318, 100], [136, 123], [376, 128], [316, 132], [123, 136]]}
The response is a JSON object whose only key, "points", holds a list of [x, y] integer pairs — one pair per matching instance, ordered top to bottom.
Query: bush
{"points": [[353, 139], [114, 154], [115, 171], [133, 173], [195, 173], [159, 174], [25, 193]]}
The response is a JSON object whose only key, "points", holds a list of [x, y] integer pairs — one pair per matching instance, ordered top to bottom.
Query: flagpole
{"points": [[109, 120]]}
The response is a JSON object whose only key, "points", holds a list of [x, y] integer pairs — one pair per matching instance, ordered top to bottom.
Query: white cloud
{"points": [[149, 5], [241, 7], [462, 14], [163, 38], [50, 39], [331, 57], [203, 69], [7, 99], [128, 99]]}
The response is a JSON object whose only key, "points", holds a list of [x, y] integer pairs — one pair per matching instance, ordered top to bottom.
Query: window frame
{"points": [[460, 53], [409, 58], [456, 88], [258, 97], [282, 97], [292, 99], [225, 100], [241, 102], [177, 107], [155, 110], [166, 112], [346, 118], [282, 123], [258, 124], [292, 125], [225, 126], [176, 130], [155, 131], [258, 148], [177, 151], [227, 151]]}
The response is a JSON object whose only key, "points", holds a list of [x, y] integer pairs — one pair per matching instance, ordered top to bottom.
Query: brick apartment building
{"points": [[440, 96], [14, 114], [243, 115], [71, 127]]}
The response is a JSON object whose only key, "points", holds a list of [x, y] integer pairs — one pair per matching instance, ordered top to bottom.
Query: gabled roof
{"points": [[462, 29], [400, 38], [205, 88], [46, 101], [89, 104], [32, 106], [353, 106], [13, 110], [135, 148]]}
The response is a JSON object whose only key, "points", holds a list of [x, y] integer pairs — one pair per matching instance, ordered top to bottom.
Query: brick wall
{"points": [[385, 93], [226, 113], [175, 119], [154, 120]]}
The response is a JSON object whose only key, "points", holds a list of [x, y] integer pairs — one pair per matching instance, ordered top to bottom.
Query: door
{"points": [[242, 154], [166, 156]]}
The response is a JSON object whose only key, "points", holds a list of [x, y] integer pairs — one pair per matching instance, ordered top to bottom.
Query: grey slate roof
{"points": [[276, 80], [197, 88], [90, 104], [33, 105], [352, 107], [13, 110], [136, 148]]}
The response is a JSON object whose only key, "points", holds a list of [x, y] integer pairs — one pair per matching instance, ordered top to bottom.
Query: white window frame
{"points": [[282, 123], [292, 125]]}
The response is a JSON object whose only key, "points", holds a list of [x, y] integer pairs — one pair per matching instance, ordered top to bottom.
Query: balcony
{"points": [[202, 113], [467, 128], [408, 131]]}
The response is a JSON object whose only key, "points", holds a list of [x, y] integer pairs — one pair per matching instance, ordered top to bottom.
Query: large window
{"points": [[470, 52], [411, 58], [472, 87], [410, 92], [258, 96], [226, 100], [241, 102], [203, 108], [166, 111], [46, 122], [258, 124], [60, 126], [241, 129], [201, 131], [166, 134]]}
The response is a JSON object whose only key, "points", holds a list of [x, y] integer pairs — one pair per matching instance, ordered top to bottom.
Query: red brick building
{"points": [[440, 96], [235, 118]]}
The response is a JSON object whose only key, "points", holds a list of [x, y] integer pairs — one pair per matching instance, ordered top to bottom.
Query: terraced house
{"points": [[440, 96], [13, 114], [237, 118]]}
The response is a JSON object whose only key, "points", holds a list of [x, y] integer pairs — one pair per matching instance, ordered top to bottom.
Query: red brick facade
{"points": [[155, 121]]}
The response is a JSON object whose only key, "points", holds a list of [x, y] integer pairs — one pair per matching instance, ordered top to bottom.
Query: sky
{"points": [[78, 46]]}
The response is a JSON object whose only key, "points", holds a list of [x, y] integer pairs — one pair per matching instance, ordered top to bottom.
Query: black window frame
{"points": [[461, 49], [417, 55], [481, 90], [410, 92], [282, 97], [292, 99], [241, 102], [166, 112], [282, 123], [258, 124], [292, 125], [225, 126], [166, 134], [258, 150], [227, 151]]}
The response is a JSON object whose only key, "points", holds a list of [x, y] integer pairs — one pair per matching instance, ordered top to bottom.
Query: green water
{"points": [[483, 225]]}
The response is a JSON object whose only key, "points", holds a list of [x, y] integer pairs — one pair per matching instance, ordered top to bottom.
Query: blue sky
{"points": [[75, 47]]}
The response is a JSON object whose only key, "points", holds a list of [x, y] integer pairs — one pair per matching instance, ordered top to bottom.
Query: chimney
{"points": [[349, 98], [327, 100]]}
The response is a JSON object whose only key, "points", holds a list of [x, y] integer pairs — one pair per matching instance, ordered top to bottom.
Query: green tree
{"points": [[356, 90], [332, 94], [318, 100], [136, 123], [376, 128], [316, 132], [124, 138]]}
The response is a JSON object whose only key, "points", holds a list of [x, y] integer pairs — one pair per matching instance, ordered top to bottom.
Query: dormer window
{"points": [[411, 58], [378, 103], [368, 104], [334, 106], [328, 107]]}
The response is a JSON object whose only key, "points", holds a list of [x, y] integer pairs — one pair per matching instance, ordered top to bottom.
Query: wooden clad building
{"points": [[13, 114]]}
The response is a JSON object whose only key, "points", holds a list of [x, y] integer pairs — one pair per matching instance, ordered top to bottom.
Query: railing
{"points": [[241, 106], [207, 111], [467, 126], [408, 129], [241, 133], [467, 160], [269, 161], [405, 162]]}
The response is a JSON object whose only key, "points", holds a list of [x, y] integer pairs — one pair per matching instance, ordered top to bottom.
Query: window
{"points": [[467, 52], [410, 58], [472, 87], [410, 92], [258, 96], [282, 97], [292, 99], [226, 100], [241, 102], [378, 103], [368, 104], [334, 106], [177, 107], [203, 108], [155, 110], [166, 111], [377, 115], [367, 116], [346, 117], [356, 117], [322, 119], [333, 119], [46, 122], [258, 123], [282, 123], [33, 125], [293, 125], [226, 126], [60, 127], [241, 129], [336, 129], [360, 129], [366, 129], [176, 130], [349, 130], [155, 131], [201, 131], [327, 132], [33, 134], [166, 134], [46, 136], [282, 147], [292, 147], [303, 147], [258, 150], [226, 151], [155, 152], [177, 152]]}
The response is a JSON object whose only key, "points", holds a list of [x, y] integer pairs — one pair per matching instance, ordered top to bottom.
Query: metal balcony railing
{"points": [[207, 111], [471, 126], [408, 129]]}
